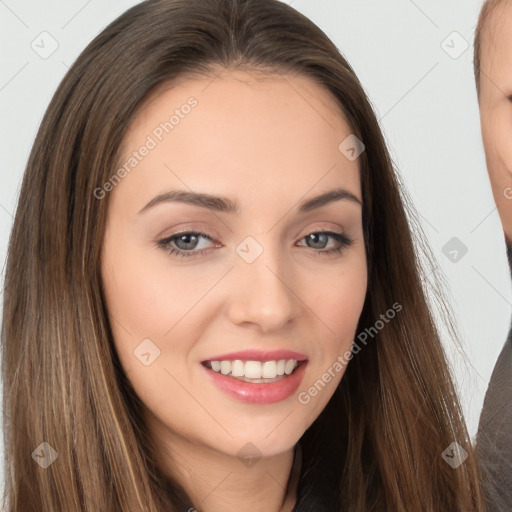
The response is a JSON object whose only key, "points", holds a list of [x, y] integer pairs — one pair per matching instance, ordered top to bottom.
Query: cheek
{"points": [[497, 139], [147, 291], [347, 297], [140, 298], [337, 299], [340, 299], [145, 301], [339, 307], [150, 309]]}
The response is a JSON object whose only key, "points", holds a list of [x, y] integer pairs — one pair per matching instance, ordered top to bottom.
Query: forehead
{"points": [[496, 37], [226, 89], [265, 132]]}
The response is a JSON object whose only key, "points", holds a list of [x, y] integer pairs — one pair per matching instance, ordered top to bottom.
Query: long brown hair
{"points": [[381, 436]]}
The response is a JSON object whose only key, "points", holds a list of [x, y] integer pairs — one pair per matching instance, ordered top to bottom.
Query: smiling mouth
{"points": [[255, 371]]}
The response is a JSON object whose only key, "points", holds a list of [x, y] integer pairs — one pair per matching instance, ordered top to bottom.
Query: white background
{"points": [[426, 102]]}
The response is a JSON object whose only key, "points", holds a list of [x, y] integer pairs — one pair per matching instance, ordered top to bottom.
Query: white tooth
{"points": [[215, 366], [280, 366], [289, 366], [225, 367], [237, 368], [253, 370], [269, 370]]}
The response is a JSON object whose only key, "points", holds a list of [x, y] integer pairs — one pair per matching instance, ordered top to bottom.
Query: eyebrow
{"points": [[227, 205]]}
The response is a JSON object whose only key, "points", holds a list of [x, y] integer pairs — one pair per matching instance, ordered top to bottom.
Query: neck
{"points": [[218, 482]]}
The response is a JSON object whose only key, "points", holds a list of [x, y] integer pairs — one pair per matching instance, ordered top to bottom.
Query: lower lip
{"points": [[259, 393]]}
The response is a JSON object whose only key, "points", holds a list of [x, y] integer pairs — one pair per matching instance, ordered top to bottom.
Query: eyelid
{"points": [[332, 228], [167, 239]]}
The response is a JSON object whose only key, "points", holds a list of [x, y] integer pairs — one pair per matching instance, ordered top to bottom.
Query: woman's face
{"points": [[260, 284]]}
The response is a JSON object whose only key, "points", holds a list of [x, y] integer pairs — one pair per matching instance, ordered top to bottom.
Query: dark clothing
{"points": [[494, 438]]}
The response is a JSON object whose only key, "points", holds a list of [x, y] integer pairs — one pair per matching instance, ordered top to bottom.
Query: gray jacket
{"points": [[494, 438]]}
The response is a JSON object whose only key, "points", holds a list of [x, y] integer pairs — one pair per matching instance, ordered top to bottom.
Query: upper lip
{"points": [[258, 355]]}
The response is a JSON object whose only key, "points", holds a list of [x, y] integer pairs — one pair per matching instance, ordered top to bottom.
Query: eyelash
{"points": [[164, 244]]}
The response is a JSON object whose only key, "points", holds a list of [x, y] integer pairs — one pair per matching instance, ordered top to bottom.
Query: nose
{"points": [[262, 293]]}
